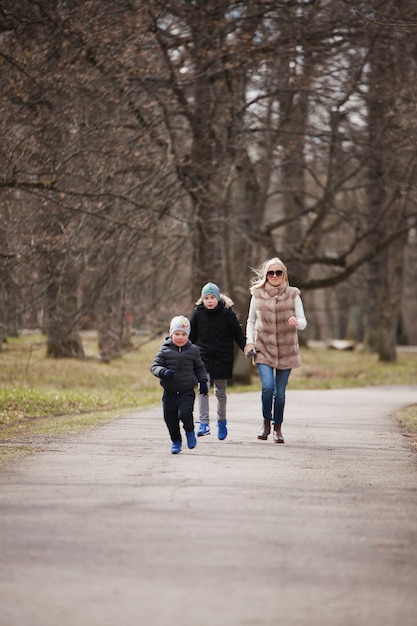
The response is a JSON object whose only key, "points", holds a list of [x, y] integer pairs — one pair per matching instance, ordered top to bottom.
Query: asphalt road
{"points": [[110, 529]]}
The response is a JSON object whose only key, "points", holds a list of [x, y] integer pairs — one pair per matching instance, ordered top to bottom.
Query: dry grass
{"points": [[408, 418]]}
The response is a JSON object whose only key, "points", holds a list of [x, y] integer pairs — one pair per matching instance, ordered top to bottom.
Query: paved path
{"points": [[109, 529]]}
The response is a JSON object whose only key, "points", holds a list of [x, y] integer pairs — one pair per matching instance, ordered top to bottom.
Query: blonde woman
{"points": [[276, 313]]}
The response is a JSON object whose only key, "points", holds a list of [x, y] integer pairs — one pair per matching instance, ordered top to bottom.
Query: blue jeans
{"points": [[273, 392]]}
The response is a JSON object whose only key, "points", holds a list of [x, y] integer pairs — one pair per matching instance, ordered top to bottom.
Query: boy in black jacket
{"points": [[214, 329], [179, 366]]}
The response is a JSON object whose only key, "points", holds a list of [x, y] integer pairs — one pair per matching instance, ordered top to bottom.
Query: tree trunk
{"points": [[387, 176], [3, 271], [392, 304], [61, 310], [109, 316]]}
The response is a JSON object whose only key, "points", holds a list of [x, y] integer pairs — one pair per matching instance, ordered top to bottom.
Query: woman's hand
{"points": [[293, 321], [250, 347]]}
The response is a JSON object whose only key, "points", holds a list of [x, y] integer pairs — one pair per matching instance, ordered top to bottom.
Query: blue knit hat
{"points": [[210, 290]]}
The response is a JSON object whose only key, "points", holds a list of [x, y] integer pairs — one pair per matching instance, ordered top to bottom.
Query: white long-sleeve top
{"points": [[250, 323]]}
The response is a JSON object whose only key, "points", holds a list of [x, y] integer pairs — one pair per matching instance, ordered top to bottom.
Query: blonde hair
{"points": [[260, 279]]}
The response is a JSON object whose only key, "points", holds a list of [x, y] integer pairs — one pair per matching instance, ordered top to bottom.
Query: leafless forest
{"points": [[148, 147]]}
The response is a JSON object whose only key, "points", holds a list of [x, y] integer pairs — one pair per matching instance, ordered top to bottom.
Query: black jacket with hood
{"points": [[214, 331], [186, 363]]}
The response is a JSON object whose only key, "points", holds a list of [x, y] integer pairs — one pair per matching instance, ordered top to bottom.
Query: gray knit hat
{"points": [[210, 289]]}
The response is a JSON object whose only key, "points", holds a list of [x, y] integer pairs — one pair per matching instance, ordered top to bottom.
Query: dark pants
{"points": [[178, 407]]}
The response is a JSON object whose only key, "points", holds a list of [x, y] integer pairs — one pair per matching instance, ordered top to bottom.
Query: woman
{"points": [[275, 314]]}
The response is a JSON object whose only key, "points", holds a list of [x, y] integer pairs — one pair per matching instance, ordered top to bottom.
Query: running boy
{"points": [[214, 328], [179, 366]]}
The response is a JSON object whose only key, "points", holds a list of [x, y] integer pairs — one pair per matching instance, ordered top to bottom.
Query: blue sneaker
{"points": [[203, 429], [222, 429], [191, 440], [176, 447]]}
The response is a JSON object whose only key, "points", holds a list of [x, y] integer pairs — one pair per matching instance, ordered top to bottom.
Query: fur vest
{"points": [[275, 339]]}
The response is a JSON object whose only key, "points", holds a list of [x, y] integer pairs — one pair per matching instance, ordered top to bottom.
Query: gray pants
{"points": [[220, 385]]}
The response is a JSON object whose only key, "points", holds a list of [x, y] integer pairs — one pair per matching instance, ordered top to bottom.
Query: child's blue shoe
{"points": [[203, 429], [222, 429], [191, 440], [176, 447]]}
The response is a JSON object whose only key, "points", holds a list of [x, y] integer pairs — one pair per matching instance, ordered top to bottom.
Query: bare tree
{"points": [[154, 146], [86, 160], [392, 166]]}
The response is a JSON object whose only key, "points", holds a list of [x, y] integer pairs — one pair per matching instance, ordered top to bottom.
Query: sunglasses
{"points": [[276, 273]]}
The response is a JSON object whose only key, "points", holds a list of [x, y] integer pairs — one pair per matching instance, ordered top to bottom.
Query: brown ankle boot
{"points": [[265, 430], [278, 438]]}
